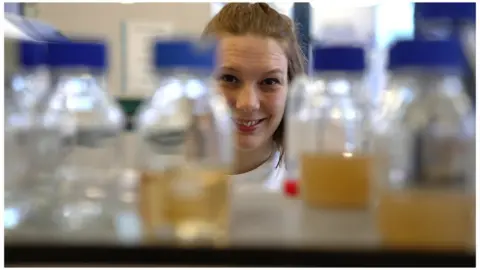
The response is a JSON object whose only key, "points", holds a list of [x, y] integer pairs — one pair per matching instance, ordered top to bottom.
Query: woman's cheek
{"points": [[278, 101]]}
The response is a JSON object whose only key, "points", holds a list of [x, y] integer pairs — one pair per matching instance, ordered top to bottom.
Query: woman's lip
{"points": [[247, 120], [248, 123], [249, 127]]}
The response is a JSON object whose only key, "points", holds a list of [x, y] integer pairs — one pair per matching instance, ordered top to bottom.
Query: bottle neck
{"points": [[78, 72], [79, 78], [426, 81], [177, 83], [342, 86], [78, 88]]}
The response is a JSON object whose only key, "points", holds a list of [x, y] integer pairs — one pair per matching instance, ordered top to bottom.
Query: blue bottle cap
{"points": [[454, 11], [32, 54], [90, 54], [184, 54], [426, 54], [338, 58]]}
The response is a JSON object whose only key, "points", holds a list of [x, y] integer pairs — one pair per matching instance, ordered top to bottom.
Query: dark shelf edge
{"points": [[98, 255]]}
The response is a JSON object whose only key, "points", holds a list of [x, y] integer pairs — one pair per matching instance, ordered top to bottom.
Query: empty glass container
{"points": [[87, 121]]}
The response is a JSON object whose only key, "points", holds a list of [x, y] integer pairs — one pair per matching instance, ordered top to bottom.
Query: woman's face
{"points": [[252, 74]]}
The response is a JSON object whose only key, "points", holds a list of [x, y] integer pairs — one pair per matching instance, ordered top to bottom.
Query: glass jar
{"points": [[86, 125], [328, 130], [424, 145], [185, 147]]}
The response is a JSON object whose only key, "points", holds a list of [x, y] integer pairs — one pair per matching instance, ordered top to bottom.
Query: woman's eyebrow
{"points": [[229, 68], [275, 71]]}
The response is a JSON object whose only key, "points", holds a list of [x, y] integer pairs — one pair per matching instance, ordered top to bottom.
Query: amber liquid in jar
{"points": [[335, 180], [194, 202], [427, 219]]}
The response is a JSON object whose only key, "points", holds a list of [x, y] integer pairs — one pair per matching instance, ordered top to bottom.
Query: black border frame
{"points": [[16, 255]]}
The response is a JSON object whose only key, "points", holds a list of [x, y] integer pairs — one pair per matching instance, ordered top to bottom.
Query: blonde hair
{"points": [[262, 20]]}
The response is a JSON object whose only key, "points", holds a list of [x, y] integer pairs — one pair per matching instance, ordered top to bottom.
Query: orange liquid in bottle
{"points": [[335, 181], [153, 201], [198, 207], [427, 220]]}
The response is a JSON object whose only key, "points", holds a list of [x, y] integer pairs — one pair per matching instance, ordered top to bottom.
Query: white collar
{"points": [[266, 176]]}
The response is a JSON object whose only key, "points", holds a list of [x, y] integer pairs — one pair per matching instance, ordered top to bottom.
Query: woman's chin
{"points": [[247, 144]]}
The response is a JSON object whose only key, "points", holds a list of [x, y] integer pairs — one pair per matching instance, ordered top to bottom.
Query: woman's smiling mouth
{"points": [[247, 125]]}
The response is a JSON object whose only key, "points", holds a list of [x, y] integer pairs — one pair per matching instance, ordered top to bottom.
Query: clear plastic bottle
{"points": [[22, 94], [89, 124], [332, 130], [425, 149], [185, 150]]}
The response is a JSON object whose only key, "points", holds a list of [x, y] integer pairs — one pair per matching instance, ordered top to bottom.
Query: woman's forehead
{"points": [[251, 52]]}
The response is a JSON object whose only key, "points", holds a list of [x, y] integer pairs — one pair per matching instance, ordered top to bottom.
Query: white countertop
{"points": [[257, 218], [270, 218], [261, 219]]}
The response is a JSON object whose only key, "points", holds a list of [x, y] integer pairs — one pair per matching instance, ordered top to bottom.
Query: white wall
{"points": [[105, 19], [343, 23], [374, 25]]}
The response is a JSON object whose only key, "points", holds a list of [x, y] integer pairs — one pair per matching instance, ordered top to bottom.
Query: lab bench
{"points": [[266, 230]]}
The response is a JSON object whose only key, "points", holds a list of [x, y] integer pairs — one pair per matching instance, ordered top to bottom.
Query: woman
{"points": [[259, 55]]}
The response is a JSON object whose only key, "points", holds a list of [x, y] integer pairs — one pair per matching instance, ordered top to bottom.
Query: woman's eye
{"points": [[229, 78], [270, 81]]}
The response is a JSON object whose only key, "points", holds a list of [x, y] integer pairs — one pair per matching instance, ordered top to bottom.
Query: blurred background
{"points": [[130, 27]]}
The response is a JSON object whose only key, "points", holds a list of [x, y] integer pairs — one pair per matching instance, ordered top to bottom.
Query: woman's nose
{"points": [[247, 99]]}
